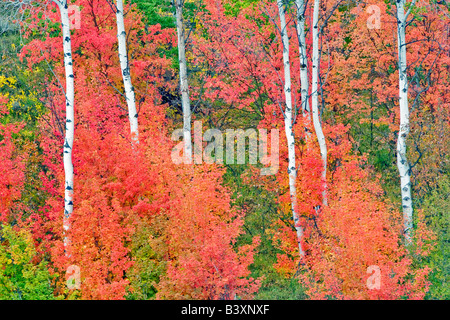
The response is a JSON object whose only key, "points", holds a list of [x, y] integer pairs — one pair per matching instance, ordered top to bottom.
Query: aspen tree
{"points": [[126, 75], [304, 82], [184, 85], [315, 97], [288, 125], [402, 161]]}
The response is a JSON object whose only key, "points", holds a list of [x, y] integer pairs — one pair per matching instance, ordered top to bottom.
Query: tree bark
{"points": [[125, 67], [304, 81], [184, 85], [315, 99], [288, 125], [69, 134], [402, 161]]}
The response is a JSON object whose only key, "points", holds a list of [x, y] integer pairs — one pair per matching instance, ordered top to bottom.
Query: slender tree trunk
{"points": [[125, 67], [304, 82], [184, 85], [315, 98], [288, 125], [68, 139], [402, 161]]}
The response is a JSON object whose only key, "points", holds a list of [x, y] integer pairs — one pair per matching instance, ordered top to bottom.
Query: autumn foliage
{"points": [[145, 227]]}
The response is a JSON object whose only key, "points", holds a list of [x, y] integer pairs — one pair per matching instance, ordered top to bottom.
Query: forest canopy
{"points": [[224, 149]]}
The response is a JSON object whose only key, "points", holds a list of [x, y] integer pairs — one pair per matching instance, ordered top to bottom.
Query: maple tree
{"points": [[13, 175], [102, 225], [144, 227]]}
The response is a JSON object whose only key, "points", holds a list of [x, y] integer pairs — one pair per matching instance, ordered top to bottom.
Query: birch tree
{"points": [[19, 7], [125, 68], [304, 81], [184, 85], [315, 97], [69, 102], [70, 124], [288, 125], [402, 161]]}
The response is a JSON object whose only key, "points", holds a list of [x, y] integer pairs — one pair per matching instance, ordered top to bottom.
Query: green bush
{"points": [[437, 210], [20, 277]]}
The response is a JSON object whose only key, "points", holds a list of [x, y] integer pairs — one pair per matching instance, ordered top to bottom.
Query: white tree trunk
{"points": [[125, 67], [304, 81], [315, 98], [185, 102], [288, 125], [68, 139], [402, 162]]}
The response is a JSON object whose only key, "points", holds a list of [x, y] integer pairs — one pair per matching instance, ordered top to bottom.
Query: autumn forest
{"points": [[224, 149]]}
